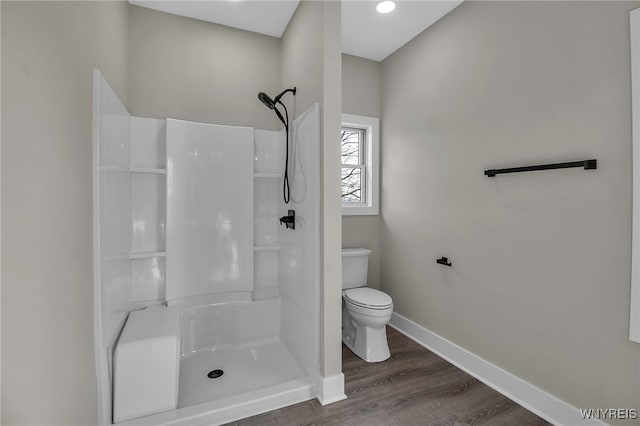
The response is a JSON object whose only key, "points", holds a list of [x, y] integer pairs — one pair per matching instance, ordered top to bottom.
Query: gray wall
{"points": [[48, 51], [302, 55], [311, 61], [198, 71], [362, 95], [540, 281]]}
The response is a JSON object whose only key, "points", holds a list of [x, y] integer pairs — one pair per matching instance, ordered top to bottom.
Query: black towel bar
{"points": [[587, 164]]}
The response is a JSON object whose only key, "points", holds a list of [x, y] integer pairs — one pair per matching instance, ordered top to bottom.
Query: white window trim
{"points": [[372, 179]]}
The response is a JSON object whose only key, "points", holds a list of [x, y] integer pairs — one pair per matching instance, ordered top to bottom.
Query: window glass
{"points": [[359, 148], [351, 185]]}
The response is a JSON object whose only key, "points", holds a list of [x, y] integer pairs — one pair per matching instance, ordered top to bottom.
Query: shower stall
{"points": [[187, 215]]}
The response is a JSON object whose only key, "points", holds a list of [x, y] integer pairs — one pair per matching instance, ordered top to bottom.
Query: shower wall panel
{"points": [[149, 148], [269, 152], [112, 155], [268, 160], [148, 202], [148, 205], [209, 209], [112, 227], [299, 254]]}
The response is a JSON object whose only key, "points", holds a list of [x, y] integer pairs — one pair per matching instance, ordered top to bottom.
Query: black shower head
{"points": [[265, 99], [271, 104]]}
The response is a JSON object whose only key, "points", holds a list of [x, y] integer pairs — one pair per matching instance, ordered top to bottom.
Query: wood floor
{"points": [[413, 387]]}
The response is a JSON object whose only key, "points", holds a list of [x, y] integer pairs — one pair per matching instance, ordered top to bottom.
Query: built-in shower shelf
{"points": [[114, 169], [120, 169], [148, 170], [267, 175], [267, 247], [146, 254]]}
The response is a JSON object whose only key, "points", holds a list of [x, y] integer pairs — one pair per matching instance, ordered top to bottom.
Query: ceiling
{"points": [[268, 17], [365, 32], [373, 35]]}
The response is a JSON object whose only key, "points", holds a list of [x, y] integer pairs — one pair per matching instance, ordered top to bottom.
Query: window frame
{"points": [[361, 165], [370, 183]]}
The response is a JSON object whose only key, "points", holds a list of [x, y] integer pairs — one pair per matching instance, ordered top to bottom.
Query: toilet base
{"points": [[368, 343]]}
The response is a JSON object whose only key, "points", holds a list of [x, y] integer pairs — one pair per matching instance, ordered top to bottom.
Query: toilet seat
{"points": [[368, 298]]}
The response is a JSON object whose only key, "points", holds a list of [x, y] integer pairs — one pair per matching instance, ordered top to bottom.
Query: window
{"points": [[359, 172]]}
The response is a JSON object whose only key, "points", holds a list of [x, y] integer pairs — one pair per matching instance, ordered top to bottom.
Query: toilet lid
{"points": [[368, 298]]}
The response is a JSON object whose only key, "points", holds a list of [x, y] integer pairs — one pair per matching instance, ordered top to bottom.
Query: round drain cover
{"points": [[214, 374]]}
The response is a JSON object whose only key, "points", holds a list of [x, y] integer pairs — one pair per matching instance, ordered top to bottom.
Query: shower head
{"points": [[265, 99], [271, 104]]}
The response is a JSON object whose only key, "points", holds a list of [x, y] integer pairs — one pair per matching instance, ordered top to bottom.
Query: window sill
{"points": [[359, 211]]}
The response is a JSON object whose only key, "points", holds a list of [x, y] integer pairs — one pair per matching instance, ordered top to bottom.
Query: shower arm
{"points": [[277, 98]]}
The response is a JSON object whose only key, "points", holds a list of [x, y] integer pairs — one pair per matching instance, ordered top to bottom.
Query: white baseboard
{"points": [[331, 389], [536, 400]]}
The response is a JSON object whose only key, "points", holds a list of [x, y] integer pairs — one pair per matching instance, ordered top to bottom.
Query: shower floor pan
{"points": [[245, 368], [257, 377]]}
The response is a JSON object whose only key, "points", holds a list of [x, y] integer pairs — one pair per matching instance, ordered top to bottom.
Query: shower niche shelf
{"points": [[114, 169], [145, 170], [148, 170], [267, 175], [267, 247], [146, 254]]}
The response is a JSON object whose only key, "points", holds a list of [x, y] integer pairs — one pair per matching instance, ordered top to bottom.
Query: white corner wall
{"points": [[311, 61], [112, 219], [0, 227], [299, 255], [540, 282]]}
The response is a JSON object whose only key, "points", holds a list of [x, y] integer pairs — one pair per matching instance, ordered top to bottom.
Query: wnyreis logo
{"points": [[609, 413]]}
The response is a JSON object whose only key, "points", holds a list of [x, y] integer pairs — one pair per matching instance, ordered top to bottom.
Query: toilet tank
{"points": [[355, 262]]}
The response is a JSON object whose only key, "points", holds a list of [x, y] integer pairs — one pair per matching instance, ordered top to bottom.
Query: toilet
{"points": [[365, 311]]}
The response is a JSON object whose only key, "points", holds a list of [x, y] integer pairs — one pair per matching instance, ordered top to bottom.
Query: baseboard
{"points": [[331, 389], [536, 400]]}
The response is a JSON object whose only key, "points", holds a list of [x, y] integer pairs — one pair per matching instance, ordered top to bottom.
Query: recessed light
{"points": [[385, 6]]}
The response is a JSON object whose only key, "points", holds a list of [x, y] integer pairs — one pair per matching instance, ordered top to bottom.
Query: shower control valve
{"points": [[289, 220]]}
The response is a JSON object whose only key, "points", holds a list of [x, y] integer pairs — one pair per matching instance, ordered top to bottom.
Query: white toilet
{"points": [[365, 311]]}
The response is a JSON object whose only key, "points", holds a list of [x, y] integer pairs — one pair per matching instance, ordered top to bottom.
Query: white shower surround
{"points": [[209, 226], [279, 310]]}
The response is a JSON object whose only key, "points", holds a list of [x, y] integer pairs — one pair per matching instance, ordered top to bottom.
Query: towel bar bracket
{"points": [[444, 261]]}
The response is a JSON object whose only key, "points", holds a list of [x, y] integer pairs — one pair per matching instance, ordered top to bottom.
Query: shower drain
{"points": [[214, 374]]}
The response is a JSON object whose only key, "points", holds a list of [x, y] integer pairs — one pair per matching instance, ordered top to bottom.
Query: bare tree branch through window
{"points": [[352, 155]]}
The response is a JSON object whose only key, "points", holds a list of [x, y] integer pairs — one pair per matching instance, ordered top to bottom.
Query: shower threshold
{"points": [[257, 377]]}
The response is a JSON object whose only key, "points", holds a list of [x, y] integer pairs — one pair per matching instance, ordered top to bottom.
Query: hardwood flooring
{"points": [[413, 387]]}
